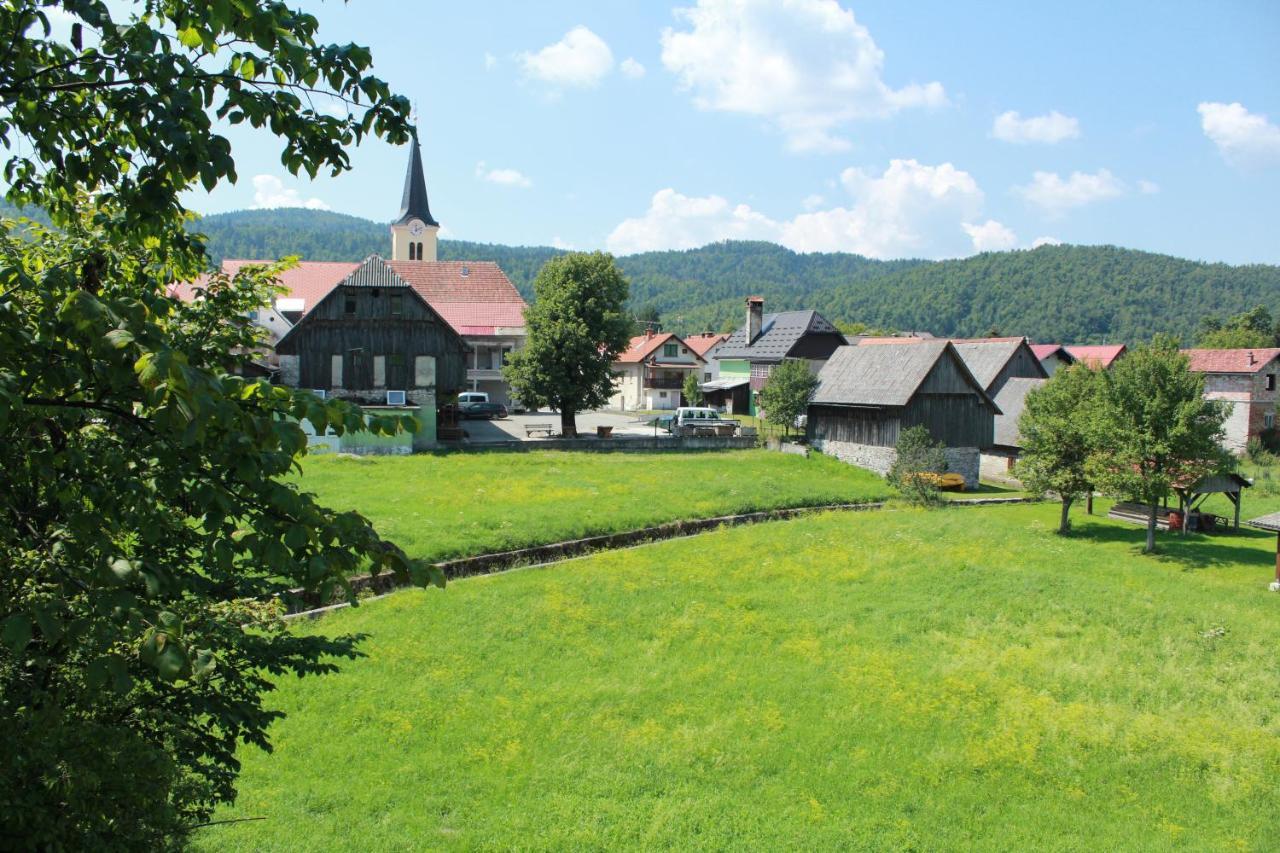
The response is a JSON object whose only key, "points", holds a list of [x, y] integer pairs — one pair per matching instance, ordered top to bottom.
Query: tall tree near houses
{"points": [[577, 327], [692, 390], [785, 396], [1152, 428], [1055, 430], [148, 539]]}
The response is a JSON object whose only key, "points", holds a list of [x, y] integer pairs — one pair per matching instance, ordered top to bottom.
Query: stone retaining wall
{"points": [[619, 443], [960, 460]]}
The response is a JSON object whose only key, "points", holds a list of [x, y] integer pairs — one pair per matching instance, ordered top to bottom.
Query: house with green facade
{"points": [[750, 354]]}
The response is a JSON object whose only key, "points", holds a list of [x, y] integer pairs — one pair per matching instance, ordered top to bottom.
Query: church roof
{"points": [[413, 204]]}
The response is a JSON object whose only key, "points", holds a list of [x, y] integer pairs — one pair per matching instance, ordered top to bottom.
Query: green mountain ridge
{"points": [[1075, 294]]}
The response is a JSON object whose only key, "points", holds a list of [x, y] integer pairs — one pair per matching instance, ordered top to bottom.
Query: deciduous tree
{"points": [[577, 327], [693, 390], [785, 396], [1152, 428], [1055, 431], [919, 465], [149, 543]]}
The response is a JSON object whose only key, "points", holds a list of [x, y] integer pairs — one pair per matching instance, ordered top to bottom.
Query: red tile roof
{"points": [[309, 281], [465, 293], [480, 301], [701, 343], [1043, 351], [1097, 356], [1231, 360]]}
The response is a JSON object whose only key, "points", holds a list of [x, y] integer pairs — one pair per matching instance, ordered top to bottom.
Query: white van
{"points": [[472, 397]]}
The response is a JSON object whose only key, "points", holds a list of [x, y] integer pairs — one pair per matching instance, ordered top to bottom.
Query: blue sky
{"points": [[930, 129]]}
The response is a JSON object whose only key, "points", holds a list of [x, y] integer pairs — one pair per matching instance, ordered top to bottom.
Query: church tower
{"points": [[413, 234]]}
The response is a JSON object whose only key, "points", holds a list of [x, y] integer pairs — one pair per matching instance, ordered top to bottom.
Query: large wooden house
{"points": [[868, 395]]}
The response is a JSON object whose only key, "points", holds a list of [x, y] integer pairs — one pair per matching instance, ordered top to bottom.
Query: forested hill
{"points": [[1080, 294]]}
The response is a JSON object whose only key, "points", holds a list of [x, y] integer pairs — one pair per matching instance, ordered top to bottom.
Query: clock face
{"points": [[416, 228]]}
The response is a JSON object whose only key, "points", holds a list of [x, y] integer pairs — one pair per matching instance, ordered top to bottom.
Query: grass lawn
{"points": [[442, 506], [960, 678]]}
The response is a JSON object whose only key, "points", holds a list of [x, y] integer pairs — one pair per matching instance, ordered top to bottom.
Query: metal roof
{"points": [[413, 204], [779, 334], [883, 375], [1012, 399], [1266, 522]]}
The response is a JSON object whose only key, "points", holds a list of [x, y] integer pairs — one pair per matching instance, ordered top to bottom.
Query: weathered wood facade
{"points": [[371, 334], [947, 404]]}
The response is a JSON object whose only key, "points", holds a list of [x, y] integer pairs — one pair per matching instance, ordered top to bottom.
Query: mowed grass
{"points": [[462, 504], [959, 678]]}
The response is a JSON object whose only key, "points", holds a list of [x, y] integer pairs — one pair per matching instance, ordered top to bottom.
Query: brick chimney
{"points": [[755, 318]]}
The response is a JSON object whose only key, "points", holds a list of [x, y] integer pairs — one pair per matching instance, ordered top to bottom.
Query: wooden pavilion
{"points": [[1191, 497]]}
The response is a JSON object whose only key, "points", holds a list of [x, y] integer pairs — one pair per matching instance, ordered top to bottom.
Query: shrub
{"points": [[917, 472]]}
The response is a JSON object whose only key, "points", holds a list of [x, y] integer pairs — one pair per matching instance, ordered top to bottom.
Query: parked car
{"points": [[472, 397], [483, 410], [690, 420]]}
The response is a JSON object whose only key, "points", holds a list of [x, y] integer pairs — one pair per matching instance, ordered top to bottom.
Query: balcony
{"points": [[483, 373], [674, 383]]}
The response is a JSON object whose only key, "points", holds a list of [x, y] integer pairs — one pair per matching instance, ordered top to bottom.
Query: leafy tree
{"points": [[577, 326], [1250, 329], [693, 390], [785, 396], [1152, 428], [1055, 432], [918, 468], [149, 543]]}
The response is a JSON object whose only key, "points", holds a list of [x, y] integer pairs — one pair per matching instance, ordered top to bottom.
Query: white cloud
{"points": [[581, 59], [490, 61], [806, 66], [631, 68], [1051, 128], [1243, 138], [505, 177], [1148, 187], [269, 191], [1054, 195], [813, 201], [910, 209], [676, 221], [990, 236], [1045, 241], [557, 243]]}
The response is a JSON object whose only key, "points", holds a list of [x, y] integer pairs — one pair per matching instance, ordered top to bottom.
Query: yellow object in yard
{"points": [[951, 483]]}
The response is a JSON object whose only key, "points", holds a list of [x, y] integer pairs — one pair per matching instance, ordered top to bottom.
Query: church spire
{"points": [[413, 204]]}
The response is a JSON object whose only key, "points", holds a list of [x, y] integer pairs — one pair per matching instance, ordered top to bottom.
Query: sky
{"points": [[929, 129]]}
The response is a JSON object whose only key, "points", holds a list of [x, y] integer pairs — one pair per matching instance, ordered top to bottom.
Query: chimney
{"points": [[755, 317], [648, 331], [1251, 358]]}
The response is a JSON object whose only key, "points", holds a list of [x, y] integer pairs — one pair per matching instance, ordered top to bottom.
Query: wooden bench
{"points": [[530, 429], [1138, 513]]}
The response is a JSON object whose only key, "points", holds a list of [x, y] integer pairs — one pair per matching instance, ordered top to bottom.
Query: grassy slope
{"points": [[438, 507], [961, 678]]}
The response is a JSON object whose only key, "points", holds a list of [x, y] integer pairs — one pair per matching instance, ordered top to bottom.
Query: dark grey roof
{"points": [[413, 204], [779, 334], [985, 359], [880, 375], [1011, 400], [1266, 522]]}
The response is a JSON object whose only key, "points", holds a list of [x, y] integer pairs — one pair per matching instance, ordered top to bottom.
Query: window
{"points": [[413, 251], [419, 251], [397, 303], [349, 305], [253, 315], [669, 350], [379, 371], [424, 371], [706, 377], [1271, 382], [662, 395], [1269, 420]]}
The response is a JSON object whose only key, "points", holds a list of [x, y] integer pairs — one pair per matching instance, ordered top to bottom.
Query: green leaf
{"points": [[190, 37], [119, 338], [296, 537], [123, 569], [16, 632]]}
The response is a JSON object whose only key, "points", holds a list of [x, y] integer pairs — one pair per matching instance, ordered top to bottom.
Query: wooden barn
{"points": [[374, 340], [867, 395]]}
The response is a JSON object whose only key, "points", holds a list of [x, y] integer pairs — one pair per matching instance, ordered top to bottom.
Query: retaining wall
{"points": [[619, 443]]}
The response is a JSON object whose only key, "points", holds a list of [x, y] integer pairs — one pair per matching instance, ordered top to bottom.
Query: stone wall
{"points": [[621, 444], [964, 461]]}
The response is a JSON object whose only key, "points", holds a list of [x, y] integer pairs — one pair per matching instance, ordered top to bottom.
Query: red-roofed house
{"points": [[475, 298], [1052, 356], [1098, 357], [651, 371], [1246, 378]]}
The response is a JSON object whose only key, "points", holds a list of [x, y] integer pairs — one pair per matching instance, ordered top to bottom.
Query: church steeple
{"points": [[413, 234]]}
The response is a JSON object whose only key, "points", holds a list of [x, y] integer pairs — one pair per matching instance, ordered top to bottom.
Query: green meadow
{"points": [[454, 505], [955, 678]]}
